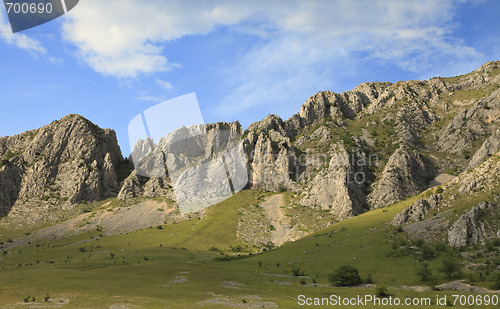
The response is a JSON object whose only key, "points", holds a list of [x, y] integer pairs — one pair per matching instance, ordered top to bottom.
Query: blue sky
{"points": [[110, 60]]}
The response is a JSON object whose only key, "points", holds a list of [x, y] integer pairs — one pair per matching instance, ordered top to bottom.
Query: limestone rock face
{"points": [[470, 124], [403, 125], [489, 147], [183, 156], [271, 159], [68, 161], [406, 173], [484, 177], [10, 185], [132, 186], [136, 186], [337, 188], [417, 211], [470, 228]]}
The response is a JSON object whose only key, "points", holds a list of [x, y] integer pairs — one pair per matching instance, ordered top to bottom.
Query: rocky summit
{"points": [[340, 156], [61, 165]]}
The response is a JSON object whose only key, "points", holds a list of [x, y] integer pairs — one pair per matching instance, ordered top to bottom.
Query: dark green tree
{"points": [[345, 275]]}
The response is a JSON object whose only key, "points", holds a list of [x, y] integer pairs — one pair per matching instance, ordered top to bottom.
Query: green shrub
{"points": [[466, 154], [490, 246], [440, 247], [237, 248], [428, 252], [450, 267], [297, 272], [424, 272], [345, 275], [496, 281], [381, 291]]}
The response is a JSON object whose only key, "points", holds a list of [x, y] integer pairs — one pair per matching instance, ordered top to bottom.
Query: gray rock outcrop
{"points": [[489, 147], [271, 159], [68, 161], [406, 173], [338, 188], [417, 210], [471, 228]]}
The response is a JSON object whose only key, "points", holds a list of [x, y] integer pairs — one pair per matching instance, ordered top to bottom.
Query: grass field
{"points": [[178, 266]]}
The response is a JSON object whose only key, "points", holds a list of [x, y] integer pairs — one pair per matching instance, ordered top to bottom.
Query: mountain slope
{"points": [[340, 156], [388, 178]]}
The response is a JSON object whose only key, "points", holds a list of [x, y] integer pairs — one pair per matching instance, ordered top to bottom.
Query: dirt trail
{"points": [[283, 231]]}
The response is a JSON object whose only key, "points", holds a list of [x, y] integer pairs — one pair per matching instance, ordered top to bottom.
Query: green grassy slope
{"points": [[174, 267]]}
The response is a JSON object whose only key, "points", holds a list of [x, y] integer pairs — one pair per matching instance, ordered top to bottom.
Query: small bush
{"points": [[466, 154], [439, 190], [419, 242], [490, 246], [440, 247], [237, 248], [215, 249], [428, 252], [450, 267], [297, 272], [424, 272], [345, 275], [496, 281], [381, 291]]}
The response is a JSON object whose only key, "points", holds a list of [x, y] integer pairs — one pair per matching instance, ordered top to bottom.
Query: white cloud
{"points": [[124, 37], [19, 40], [302, 44], [164, 84], [149, 98]]}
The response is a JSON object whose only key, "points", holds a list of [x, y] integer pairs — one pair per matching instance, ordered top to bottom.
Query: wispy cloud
{"points": [[21, 41], [301, 45], [164, 84], [149, 98]]}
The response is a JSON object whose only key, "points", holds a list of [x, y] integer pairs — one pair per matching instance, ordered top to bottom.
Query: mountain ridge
{"points": [[395, 137]]}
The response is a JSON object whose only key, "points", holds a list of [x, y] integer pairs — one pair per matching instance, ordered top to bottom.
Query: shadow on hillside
{"points": [[10, 185]]}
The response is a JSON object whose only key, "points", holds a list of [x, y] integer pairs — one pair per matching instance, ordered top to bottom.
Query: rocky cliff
{"points": [[343, 153], [60, 165], [474, 227]]}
